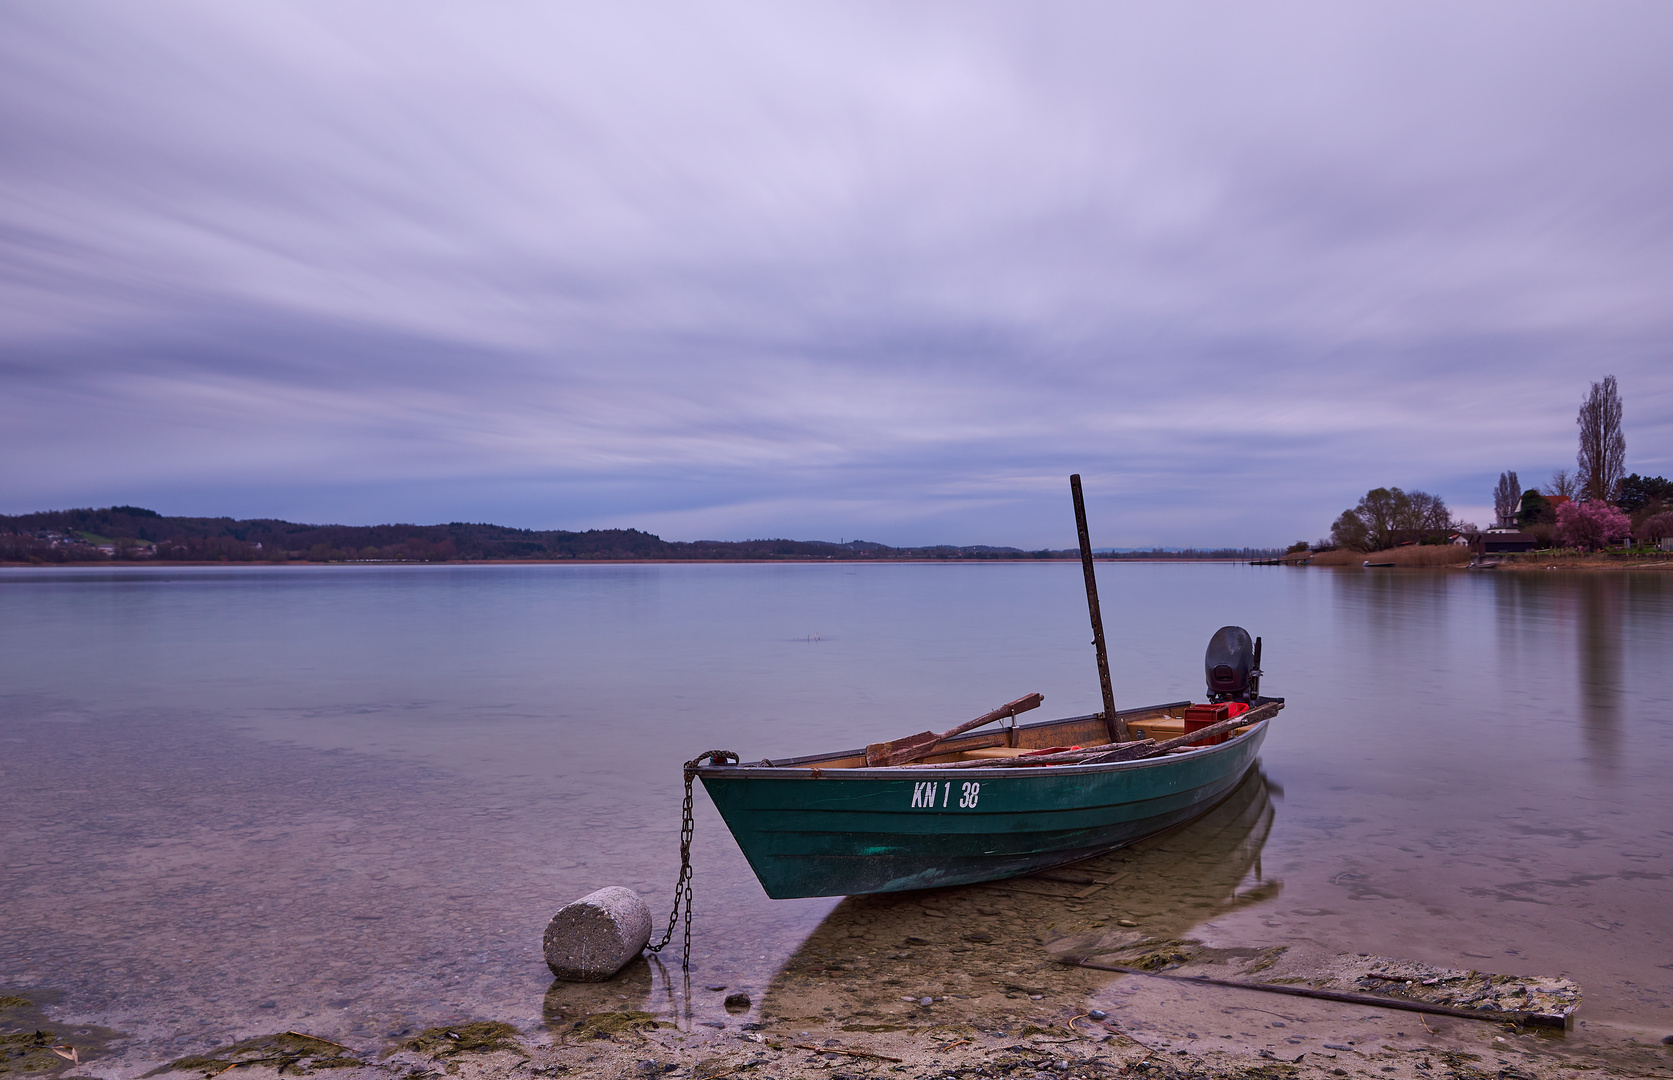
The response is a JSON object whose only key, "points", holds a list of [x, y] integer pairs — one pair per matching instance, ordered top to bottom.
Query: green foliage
{"points": [[1633, 493], [1535, 510], [1296, 548]]}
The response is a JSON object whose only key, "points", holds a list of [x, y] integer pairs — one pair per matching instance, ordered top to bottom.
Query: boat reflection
{"points": [[873, 952]]}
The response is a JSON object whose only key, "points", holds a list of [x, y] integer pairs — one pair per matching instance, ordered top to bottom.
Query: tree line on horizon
{"points": [[1597, 506], [129, 533]]}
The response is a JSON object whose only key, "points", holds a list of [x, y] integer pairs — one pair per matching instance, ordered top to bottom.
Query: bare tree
{"points": [[1603, 449], [1562, 483], [1507, 498], [1425, 511], [1381, 512]]}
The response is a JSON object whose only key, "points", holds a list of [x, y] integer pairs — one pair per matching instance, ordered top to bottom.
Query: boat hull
{"points": [[842, 832]]}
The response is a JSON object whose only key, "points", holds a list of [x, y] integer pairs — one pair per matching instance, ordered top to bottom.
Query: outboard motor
{"points": [[1233, 666]]}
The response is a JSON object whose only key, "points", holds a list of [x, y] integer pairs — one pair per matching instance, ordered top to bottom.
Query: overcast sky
{"points": [[827, 271]]}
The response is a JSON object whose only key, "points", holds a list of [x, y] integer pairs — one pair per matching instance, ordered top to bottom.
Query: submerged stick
{"points": [[1530, 1019], [316, 1038], [850, 1053]]}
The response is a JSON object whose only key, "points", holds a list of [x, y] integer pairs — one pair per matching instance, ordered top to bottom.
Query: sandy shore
{"points": [[965, 983], [1030, 1019]]}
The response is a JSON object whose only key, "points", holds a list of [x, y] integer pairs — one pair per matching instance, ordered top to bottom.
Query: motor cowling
{"points": [[1232, 665]]}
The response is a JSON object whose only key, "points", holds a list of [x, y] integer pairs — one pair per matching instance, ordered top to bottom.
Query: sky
{"points": [[827, 271]]}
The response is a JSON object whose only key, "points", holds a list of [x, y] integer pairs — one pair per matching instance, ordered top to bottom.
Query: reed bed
{"points": [[1413, 555]]}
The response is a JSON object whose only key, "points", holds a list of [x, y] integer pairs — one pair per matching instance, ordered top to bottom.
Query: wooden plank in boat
{"points": [[1161, 728]]}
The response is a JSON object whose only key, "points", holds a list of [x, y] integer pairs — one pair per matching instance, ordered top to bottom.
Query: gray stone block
{"points": [[595, 937]]}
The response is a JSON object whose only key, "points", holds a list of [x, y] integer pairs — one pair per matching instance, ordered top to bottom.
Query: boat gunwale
{"points": [[1125, 714], [897, 772]]}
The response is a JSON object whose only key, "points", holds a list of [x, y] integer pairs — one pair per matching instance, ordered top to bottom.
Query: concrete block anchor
{"points": [[596, 936]]}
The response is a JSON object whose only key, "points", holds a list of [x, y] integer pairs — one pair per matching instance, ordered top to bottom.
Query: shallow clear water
{"points": [[238, 799]]}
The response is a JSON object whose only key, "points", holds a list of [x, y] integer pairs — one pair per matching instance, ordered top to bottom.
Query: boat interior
{"points": [[1231, 666], [1159, 722]]}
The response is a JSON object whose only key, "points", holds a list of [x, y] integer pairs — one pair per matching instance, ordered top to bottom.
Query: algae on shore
{"points": [[33, 1044], [286, 1050]]}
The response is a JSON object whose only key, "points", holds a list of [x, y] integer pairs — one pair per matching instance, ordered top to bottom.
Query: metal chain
{"points": [[682, 887]]}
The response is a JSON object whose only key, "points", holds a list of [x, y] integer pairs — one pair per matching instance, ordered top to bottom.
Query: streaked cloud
{"points": [[825, 271]]}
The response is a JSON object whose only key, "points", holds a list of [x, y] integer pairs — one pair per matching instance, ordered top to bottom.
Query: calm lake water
{"points": [[237, 800]]}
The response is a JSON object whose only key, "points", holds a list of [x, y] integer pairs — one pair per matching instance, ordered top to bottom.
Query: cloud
{"points": [[825, 270]]}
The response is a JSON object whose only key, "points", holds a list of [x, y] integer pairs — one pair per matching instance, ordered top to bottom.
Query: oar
{"points": [[922, 745]]}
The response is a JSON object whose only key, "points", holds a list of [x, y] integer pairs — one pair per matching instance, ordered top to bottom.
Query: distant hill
{"points": [[131, 532], [127, 533]]}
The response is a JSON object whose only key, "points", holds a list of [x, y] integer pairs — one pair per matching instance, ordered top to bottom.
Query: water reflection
{"points": [[1602, 603], [871, 952], [639, 985]]}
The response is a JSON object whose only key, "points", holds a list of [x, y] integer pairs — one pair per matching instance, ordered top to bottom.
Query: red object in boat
{"points": [[1201, 716]]}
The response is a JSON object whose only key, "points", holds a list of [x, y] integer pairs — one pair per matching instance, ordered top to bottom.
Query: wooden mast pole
{"points": [[1113, 724]]}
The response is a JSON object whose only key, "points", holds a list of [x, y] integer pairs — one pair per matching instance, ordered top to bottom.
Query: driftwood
{"points": [[922, 745], [1531, 1019], [840, 1050]]}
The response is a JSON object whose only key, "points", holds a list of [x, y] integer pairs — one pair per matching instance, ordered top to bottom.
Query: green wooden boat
{"points": [[973, 807], [826, 825], [830, 825]]}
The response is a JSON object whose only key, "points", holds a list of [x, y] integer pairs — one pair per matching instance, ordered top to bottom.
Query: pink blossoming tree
{"points": [[1591, 526]]}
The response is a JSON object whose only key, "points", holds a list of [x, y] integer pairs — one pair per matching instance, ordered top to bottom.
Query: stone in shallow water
{"points": [[595, 937]]}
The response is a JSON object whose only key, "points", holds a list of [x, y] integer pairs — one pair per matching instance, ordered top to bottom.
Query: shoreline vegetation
{"points": [[134, 534], [1455, 556]]}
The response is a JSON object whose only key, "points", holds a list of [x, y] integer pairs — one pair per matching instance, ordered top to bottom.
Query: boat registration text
{"points": [[930, 795]]}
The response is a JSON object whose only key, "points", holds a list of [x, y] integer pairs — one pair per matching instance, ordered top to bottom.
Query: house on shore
{"points": [[1497, 541]]}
